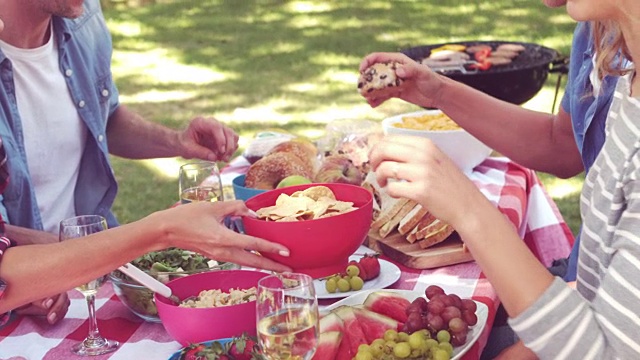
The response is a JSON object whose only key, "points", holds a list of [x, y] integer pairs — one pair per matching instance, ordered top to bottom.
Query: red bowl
{"points": [[318, 247], [189, 325]]}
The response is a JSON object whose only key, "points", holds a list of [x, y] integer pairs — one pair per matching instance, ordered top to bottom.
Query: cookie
{"points": [[378, 76]]}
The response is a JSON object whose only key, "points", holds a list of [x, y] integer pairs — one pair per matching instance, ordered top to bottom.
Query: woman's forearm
{"points": [[537, 140], [36, 271], [518, 277]]}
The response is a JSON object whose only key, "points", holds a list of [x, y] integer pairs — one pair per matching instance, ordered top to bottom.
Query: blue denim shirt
{"points": [[85, 48], [588, 110]]}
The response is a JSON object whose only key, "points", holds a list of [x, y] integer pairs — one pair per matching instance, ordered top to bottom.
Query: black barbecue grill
{"points": [[516, 82]]}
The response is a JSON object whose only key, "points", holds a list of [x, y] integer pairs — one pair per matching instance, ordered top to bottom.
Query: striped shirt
{"points": [[601, 320]]}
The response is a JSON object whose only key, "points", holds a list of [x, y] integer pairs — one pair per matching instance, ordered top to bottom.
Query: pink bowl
{"points": [[318, 247], [189, 325]]}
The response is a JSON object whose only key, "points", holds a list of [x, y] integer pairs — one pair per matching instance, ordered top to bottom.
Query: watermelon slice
{"points": [[387, 303], [331, 322], [373, 324], [354, 333], [328, 345]]}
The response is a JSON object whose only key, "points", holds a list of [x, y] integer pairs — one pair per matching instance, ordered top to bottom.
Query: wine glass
{"points": [[200, 181], [75, 227], [287, 317]]}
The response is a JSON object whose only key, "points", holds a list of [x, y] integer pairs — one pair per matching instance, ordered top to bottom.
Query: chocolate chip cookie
{"points": [[378, 77]]}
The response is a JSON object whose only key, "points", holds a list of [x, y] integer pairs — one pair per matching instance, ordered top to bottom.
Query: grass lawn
{"points": [[292, 65]]}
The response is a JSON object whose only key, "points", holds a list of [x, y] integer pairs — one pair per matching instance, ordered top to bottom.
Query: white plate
{"points": [[389, 274], [482, 312]]}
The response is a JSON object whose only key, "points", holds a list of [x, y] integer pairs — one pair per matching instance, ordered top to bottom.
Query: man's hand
{"points": [[208, 139], [54, 308]]}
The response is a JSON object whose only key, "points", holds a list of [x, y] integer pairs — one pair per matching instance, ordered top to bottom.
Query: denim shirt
{"points": [[84, 46], [588, 110]]}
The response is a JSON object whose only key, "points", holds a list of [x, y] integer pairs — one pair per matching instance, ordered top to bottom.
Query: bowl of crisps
{"points": [[463, 148], [321, 224], [215, 305]]}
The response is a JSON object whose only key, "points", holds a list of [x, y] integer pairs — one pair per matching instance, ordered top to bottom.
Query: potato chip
{"points": [[313, 203]]}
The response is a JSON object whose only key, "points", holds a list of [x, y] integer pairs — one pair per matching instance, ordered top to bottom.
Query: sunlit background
{"points": [[291, 65]]}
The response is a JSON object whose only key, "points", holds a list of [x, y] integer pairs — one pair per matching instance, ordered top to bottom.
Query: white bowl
{"points": [[465, 150]]}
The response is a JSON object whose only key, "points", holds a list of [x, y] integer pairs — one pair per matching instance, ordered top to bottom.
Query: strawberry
{"points": [[371, 266], [363, 273], [242, 348], [192, 352]]}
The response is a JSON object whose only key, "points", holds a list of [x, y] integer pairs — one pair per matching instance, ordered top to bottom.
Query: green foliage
{"points": [[289, 64]]}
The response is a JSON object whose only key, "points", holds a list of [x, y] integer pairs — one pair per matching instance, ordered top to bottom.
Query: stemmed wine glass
{"points": [[200, 181], [75, 227], [287, 317]]}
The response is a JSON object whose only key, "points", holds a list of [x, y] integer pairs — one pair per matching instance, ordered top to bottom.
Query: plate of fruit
{"points": [[363, 273], [401, 324], [239, 348]]}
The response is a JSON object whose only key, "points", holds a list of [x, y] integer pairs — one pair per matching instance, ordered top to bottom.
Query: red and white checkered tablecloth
{"points": [[515, 190]]}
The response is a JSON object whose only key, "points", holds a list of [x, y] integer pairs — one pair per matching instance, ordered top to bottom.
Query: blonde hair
{"points": [[609, 44]]}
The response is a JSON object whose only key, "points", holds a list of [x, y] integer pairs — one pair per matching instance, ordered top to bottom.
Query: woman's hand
{"points": [[420, 85], [429, 176], [199, 227], [54, 308]]}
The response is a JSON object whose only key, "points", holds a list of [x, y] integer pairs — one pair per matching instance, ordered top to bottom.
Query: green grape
{"points": [[353, 270], [356, 283], [331, 285], [343, 285], [391, 335], [403, 336], [443, 336], [416, 340], [431, 343], [388, 346], [446, 346], [377, 347], [363, 348], [402, 350], [416, 354], [441, 355], [364, 356]]}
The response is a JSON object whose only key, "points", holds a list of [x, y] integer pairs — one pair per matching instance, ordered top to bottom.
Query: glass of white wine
{"points": [[200, 181], [287, 317], [94, 343]]}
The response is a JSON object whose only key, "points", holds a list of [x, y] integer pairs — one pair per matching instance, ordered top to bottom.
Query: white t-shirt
{"points": [[54, 134]]}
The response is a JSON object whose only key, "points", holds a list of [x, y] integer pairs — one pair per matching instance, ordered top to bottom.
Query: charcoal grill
{"points": [[516, 82]]}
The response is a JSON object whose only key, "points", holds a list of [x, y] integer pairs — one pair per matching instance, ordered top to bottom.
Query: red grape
{"points": [[433, 290], [455, 300], [421, 302], [468, 304], [435, 307], [413, 308], [449, 313], [469, 317], [414, 323], [435, 323], [457, 325], [458, 339]]}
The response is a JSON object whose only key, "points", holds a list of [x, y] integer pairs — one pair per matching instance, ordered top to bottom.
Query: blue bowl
{"points": [[241, 192], [176, 355]]}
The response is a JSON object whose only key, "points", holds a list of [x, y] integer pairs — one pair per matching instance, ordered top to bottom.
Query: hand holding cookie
{"points": [[387, 75]]}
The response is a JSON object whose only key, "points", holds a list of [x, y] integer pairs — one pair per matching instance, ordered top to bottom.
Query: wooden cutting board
{"points": [[396, 247]]}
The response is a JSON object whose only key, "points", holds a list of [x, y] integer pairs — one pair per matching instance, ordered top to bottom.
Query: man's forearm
{"points": [[133, 137], [25, 236]]}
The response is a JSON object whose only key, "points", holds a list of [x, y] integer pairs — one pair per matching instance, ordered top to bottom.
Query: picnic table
{"points": [[515, 190]]}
